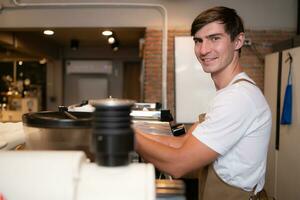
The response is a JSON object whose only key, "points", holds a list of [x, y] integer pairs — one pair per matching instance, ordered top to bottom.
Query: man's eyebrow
{"points": [[214, 35], [208, 36], [197, 39]]}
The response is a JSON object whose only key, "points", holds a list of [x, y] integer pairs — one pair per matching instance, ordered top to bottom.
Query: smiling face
{"points": [[214, 48]]}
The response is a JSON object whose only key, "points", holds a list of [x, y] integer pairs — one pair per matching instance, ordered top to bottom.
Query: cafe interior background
{"points": [[41, 72]]}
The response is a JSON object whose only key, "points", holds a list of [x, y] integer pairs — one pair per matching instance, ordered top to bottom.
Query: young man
{"points": [[235, 134]]}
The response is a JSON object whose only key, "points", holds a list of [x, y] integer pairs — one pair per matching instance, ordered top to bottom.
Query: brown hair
{"points": [[233, 23]]}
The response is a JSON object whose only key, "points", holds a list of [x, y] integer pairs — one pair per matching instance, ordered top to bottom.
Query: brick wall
{"points": [[252, 60]]}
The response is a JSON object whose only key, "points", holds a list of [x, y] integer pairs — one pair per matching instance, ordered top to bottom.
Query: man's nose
{"points": [[204, 48]]}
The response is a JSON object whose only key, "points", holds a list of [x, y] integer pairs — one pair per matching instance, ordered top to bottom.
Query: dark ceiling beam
{"points": [[23, 45]]}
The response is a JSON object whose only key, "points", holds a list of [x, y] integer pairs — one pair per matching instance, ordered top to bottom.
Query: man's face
{"points": [[214, 48]]}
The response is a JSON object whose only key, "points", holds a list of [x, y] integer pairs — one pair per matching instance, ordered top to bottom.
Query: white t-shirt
{"points": [[238, 127]]}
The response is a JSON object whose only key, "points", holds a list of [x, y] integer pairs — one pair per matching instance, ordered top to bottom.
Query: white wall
{"points": [[257, 14], [99, 85]]}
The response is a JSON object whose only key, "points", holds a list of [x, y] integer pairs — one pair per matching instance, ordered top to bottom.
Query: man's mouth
{"points": [[208, 60]]}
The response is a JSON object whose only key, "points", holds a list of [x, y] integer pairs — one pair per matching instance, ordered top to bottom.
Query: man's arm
{"points": [[167, 140], [177, 161]]}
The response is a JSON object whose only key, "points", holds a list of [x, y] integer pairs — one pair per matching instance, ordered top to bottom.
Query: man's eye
{"points": [[215, 38], [197, 41]]}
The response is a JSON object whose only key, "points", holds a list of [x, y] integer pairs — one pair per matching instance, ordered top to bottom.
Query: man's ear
{"points": [[239, 40]]}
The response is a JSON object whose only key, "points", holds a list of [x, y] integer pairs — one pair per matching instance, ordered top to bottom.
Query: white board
{"points": [[194, 89]]}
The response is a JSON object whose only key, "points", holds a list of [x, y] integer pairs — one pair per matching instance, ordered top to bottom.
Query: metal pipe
{"points": [[159, 7]]}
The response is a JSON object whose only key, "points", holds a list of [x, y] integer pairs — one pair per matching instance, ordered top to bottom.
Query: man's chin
{"points": [[206, 70]]}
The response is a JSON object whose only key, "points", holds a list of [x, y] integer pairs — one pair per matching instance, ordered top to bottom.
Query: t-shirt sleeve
{"points": [[226, 122]]}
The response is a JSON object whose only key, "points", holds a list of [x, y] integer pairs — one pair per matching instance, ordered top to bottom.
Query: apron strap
{"points": [[243, 79]]}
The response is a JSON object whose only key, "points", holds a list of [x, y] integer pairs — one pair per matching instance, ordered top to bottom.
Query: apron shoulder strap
{"points": [[243, 79]]}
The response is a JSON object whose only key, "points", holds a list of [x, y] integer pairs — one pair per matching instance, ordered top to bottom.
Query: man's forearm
{"points": [[171, 141], [161, 155]]}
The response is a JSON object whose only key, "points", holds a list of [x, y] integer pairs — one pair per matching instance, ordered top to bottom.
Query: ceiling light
{"points": [[48, 32], [107, 33], [111, 40], [115, 46], [20, 62]]}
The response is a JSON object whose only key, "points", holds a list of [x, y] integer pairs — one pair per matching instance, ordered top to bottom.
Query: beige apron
{"points": [[212, 187], [215, 188]]}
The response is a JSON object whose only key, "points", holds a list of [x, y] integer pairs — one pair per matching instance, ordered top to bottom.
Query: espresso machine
{"points": [[70, 175]]}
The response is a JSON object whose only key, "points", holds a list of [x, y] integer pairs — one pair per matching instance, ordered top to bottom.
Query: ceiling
{"points": [[88, 37], [93, 37], [33, 43]]}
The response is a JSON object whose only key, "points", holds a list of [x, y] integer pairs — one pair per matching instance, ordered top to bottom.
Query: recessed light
{"points": [[48, 32], [107, 33], [111, 40]]}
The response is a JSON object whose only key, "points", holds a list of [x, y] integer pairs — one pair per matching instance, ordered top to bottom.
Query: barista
{"points": [[233, 139]]}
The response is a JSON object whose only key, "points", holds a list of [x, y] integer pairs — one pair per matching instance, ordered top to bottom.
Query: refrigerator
{"points": [[283, 167]]}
